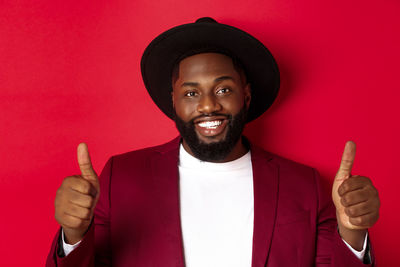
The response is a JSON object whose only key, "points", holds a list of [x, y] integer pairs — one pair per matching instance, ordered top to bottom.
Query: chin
{"points": [[211, 139]]}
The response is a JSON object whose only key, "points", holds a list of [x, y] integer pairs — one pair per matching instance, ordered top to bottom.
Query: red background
{"points": [[69, 72]]}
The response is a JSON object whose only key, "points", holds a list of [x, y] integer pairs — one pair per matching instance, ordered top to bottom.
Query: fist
{"points": [[76, 199], [356, 199]]}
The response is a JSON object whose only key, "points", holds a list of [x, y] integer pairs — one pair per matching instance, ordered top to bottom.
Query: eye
{"points": [[223, 91], [190, 94]]}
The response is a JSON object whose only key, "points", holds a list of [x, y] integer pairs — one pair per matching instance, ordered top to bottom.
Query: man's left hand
{"points": [[356, 200]]}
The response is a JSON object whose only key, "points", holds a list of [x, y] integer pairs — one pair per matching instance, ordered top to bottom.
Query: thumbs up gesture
{"points": [[76, 199], [356, 200]]}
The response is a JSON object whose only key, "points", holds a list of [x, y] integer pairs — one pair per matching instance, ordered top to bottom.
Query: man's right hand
{"points": [[76, 199]]}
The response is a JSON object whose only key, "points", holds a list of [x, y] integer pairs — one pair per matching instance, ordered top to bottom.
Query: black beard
{"points": [[214, 151]]}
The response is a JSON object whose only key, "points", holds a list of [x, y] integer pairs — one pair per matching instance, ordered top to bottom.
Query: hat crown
{"points": [[206, 20], [206, 34]]}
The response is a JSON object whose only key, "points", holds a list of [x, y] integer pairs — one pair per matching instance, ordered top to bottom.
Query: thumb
{"points": [[346, 164], [86, 165]]}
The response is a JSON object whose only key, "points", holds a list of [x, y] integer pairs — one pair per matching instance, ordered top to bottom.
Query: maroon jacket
{"points": [[137, 218]]}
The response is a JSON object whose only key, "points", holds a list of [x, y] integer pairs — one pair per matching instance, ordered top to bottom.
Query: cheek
{"points": [[233, 105], [185, 109]]}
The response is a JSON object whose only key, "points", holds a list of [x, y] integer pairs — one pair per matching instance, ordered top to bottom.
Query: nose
{"points": [[208, 104]]}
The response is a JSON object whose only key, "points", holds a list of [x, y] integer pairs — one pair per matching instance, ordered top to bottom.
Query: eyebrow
{"points": [[219, 79]]}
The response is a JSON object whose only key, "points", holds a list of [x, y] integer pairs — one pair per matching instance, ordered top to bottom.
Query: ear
{"points": [[247, 95]]}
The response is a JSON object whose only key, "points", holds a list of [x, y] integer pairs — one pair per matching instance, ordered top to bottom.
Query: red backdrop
{"points": [[69, 72]]}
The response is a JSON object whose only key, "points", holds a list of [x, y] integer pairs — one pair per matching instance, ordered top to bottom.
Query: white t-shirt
{"points": [[217, 211]]}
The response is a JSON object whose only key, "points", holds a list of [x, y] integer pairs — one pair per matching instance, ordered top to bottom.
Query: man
{"points": [[210, 197]]}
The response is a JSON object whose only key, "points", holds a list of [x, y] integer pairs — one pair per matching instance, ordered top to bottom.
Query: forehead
{"points": [[206, 64]]}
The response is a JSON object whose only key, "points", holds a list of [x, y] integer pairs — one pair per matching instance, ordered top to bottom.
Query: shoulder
{"points": [[171, 147], [262, 156], [142, 160], [290, 172], [300, 186]]}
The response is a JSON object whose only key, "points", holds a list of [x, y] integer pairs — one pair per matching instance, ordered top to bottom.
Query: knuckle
{"points": [[346, 163], [85, 165], [68, 180], [367, 180], [354, 181], [83, 186], [86, 186], [345, 186], [341, 190], [60, 192], [375, 192], [371, 193], [362, 195], [57, 198], [351, 198], [347, 199], [85, 200], [343, 201], [60, 202], [90, 202], [57, 206], [72, 209], [75, 210], [351, 211], [86, 213], [57, 217], [356, 220], [67, 221], [74, 222], [81, 224]]}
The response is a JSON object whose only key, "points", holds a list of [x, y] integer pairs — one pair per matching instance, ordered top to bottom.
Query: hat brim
{"points": [[162, 53]]}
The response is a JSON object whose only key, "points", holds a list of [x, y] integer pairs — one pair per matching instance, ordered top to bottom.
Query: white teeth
{"points": [[210, 124]]}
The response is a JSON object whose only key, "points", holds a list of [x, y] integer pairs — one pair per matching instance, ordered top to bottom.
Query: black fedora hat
{"points": [[207, 35]]}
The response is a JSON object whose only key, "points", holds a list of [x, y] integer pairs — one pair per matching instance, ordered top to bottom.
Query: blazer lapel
{"points": [[166, 181], [266, 188]]}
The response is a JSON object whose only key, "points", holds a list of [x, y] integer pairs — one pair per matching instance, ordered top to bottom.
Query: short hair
{"points": [[237, 65]]}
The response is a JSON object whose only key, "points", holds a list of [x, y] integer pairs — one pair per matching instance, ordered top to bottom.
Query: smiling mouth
{"points": [[210, 124], [211, 127]]}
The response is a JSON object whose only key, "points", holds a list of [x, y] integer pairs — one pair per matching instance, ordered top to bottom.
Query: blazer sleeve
{"points": [[330, 248], [95, 249]]}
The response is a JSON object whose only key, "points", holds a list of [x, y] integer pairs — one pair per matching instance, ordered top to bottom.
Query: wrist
{"points": [[71, 237], [354, 237]]}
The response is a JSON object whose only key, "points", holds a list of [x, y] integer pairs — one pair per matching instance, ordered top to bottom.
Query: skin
{"points": [[208, 83], [76, 199], [356, 200]]}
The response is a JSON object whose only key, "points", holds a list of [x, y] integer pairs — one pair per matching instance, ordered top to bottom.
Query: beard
{"points": [[218, 150]]}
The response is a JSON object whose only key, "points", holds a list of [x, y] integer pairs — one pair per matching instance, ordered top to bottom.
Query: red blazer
{"points": [[137, 218]]}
